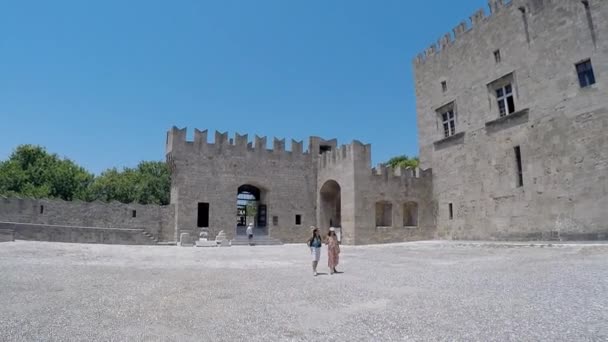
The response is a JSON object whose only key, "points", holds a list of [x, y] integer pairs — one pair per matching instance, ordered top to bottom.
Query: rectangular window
{"points": [[497, 57], [586, 77], [444, 86], [506, 103], [449, 123], [520, 175], [41, 209], [451, 211], [133, 213], [384, 214], [203, 215], [275, 220], [298, 220]]}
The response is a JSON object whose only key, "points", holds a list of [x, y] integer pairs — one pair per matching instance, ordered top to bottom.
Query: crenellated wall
{"points": [[475, 23], [238, 145], [204, 172], [361, 187]]}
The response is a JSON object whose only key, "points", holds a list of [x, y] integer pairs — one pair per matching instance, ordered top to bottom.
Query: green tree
{"points": [[403, 161], [32, 171], [148, 183], [252, 211]]}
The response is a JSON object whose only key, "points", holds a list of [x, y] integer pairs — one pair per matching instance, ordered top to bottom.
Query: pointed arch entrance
{"points": [[330, 205]]}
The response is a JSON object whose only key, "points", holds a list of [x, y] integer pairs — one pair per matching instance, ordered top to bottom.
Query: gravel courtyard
{"points": [[402, 292]]}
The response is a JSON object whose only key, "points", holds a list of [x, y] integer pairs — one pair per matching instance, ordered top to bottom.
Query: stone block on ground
{"points": [[7, 235], [185, 240], [205, 243]]}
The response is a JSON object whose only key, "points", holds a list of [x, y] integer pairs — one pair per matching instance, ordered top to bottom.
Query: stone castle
{"points": [[512, 118]]}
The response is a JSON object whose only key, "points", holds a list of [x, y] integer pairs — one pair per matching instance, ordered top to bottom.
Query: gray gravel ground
{"points": [[425, 291]]}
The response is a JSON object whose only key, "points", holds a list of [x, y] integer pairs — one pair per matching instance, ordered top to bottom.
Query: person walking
{"points": [[250, 233], [315, 243], [333, 250]]}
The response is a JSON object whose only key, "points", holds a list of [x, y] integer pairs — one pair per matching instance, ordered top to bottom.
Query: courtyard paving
{"points": [[424, 291]]}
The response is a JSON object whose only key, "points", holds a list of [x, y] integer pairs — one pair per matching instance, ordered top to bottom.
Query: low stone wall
{"points": [[156, 220], [55, 233], [7, 235], [379, 235]]}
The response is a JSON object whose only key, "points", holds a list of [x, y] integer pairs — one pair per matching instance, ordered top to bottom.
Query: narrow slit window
{"points": [[524, 17], [590, 22], [497, 56], [586, 77], [444, 86], [520, 174], [41, 209], [451, 211], [133, 213], [275, 220], [298, 220]]}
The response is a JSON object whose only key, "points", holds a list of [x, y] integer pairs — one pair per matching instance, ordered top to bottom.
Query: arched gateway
{"points": [[330, 205], [251, 208]]}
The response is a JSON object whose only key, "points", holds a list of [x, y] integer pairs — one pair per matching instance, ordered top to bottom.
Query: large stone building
{"points": [[512, 119], [325, 185]]}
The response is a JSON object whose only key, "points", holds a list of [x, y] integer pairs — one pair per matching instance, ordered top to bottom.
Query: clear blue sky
{"points": [[100, 82]]}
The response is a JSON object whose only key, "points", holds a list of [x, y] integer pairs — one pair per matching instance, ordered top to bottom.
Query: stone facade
{"points": [[557, 127], [323, 185], [375, 205], [155, 220]]}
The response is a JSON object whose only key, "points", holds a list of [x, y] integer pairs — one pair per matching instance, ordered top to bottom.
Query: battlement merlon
{"points": [[475, 20], [177, 143], [356, 154], [388, 172], [384, 176]]}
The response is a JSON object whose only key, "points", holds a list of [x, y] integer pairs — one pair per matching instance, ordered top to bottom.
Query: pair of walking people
{"points": [[333, 249]]}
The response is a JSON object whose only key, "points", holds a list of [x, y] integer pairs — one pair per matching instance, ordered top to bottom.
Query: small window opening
{"points": [[497, 57], [586, 77], [444, 86], [324, 148], [520, 174], [41, 209], [451, 211], [133, 213], [384, 214], [410, 214], [203, 215], [275, 220], [298, 220]]}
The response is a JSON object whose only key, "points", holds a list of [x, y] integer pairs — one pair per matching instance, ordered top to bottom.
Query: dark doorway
{"points": [[331, 205], [203, 215]]}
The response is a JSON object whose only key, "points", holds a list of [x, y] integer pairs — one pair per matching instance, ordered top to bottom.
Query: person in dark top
{"points": [[315, 243]]}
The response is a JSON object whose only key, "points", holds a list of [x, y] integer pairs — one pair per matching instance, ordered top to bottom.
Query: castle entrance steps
{"points": [[242, 231], [258, 240]]}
